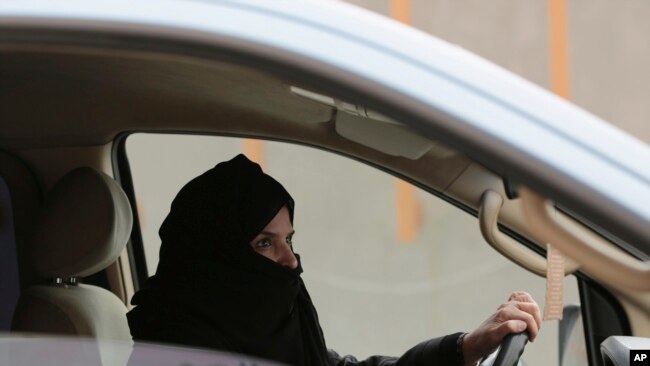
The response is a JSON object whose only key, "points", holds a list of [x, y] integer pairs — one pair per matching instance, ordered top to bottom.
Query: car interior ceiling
{"points": [[106, 94]]}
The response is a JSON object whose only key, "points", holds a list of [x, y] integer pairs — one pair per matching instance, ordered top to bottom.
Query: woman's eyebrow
{"points": [[271, 233]]}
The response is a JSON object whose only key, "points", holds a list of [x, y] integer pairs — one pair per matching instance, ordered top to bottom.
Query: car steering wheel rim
{"points": [[511, 349]]}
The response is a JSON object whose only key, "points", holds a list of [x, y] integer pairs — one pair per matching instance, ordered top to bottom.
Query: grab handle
{"points": [[491, 203]]}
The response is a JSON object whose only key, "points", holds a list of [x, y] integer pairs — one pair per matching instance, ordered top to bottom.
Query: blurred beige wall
{"points": [[608, 46]]}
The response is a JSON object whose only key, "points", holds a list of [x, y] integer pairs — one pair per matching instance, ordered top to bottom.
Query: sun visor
{"points": [[374, 130], [388, 137]]}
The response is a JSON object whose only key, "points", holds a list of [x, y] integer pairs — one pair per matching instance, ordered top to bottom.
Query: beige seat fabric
{"points": [[84, 224]]}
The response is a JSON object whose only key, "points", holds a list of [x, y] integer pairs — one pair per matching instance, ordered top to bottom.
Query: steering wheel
{"points": [[509, 352]]}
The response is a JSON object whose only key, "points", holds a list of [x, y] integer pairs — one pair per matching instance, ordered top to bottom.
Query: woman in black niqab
{"points": [[211, 289]]}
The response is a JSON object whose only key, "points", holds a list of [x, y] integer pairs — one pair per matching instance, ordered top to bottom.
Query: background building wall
{"points": [[608, 46]]}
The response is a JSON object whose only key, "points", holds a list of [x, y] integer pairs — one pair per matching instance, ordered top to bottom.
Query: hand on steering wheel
{"points": [[519, 315]]}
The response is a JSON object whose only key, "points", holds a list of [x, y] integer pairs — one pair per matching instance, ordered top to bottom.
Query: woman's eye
{"points": [[264, 243]]}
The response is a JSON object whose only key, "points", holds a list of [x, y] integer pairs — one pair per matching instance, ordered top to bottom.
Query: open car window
{"points": [[387, 264]]}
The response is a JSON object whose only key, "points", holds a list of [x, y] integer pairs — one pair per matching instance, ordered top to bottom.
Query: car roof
{"points": [[500, 120]]}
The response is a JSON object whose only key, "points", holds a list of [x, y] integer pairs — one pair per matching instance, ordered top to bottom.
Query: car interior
{"points": [[70, 214]]}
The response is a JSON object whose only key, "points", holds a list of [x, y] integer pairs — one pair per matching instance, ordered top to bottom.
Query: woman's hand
{"points": [[518, 314]]}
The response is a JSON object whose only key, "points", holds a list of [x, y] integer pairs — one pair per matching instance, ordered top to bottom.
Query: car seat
{"points": [[83, 226]]}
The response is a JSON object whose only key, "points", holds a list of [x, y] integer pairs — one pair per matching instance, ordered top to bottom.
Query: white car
{"points": [[77, 78]]}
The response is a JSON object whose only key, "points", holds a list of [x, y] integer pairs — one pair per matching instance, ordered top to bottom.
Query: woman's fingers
{"points": [[522, 296], [526, 303], [532, 309], [511, 313]]}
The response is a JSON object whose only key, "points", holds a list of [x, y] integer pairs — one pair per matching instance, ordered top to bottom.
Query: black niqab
{"points": [[208, 269]]}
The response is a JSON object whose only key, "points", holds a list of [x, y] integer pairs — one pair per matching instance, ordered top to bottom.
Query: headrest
{"points": [[84, 224]]}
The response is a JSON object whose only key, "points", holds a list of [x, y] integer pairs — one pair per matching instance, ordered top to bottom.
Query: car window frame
{"points": [[598, 306]]}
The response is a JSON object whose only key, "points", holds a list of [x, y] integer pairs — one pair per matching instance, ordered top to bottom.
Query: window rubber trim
{"points": [[135, 246]]}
